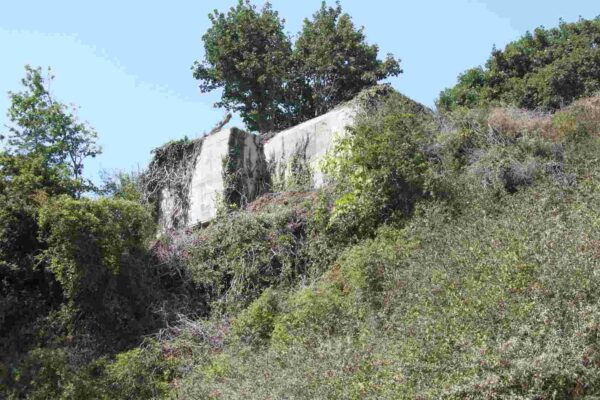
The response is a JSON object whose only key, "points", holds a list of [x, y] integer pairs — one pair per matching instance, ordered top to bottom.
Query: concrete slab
{"points": [[310, 140]]}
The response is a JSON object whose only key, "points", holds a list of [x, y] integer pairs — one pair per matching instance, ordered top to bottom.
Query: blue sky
{"points": [[126, 64]]}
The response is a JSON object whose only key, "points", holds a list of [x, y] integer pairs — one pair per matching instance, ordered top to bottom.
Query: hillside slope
{"points": [[453, 254]]}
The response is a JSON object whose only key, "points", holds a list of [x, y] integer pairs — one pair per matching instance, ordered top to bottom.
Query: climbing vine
{"points": [[294, 174], [169, 177], [244, 179]]}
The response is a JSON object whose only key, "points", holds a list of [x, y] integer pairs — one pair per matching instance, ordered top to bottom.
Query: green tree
{"points": [[248, 56], [333, 56], [547, 69], [273, 86], [467, 93], [40, 125], [42, 158], [28, 292]]}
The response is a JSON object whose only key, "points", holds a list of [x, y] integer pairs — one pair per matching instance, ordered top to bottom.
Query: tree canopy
{"points": [[248, 56], [335, 59], [546, 69], [274, 84], [42, 126]]}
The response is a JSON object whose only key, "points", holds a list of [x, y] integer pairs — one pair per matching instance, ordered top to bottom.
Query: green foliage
{"points": [[248, 56], [334, 58], [547, 69], [273, 85], [467, 93], [578, 121], [43, 126], [42, 158], [380, 166], [122, 185], [101, 232], [96, 251], [241, 254], [453, 256], [27, 291], [486, 292], [344, 298], [467, 305], [309, 315], [255, 324], [47, 373], [142, 373]]}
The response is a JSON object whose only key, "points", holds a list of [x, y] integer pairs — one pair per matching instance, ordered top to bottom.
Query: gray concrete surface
{"points": [[310, 141]]}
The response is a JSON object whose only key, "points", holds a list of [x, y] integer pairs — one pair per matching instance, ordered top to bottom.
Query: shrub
{"points": [[547, 69], [579, 120], [514, 123], [501, 149], [380, 167], [84, 232], [96, 250], [240, 254], [28, 292], [348, 294], [496, 299], [310, 314], [255, 324], [146, 372], [47, 373]]}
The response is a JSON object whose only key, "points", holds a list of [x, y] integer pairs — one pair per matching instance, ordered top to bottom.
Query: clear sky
{"points": [[126, 63]]}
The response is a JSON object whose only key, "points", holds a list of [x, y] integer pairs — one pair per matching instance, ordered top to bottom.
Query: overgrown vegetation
{"points": [[546, 69], [275, 84], [168, 178], [452, 255], [484, 288]]}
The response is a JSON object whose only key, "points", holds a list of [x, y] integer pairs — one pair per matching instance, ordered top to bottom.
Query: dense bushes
{"points": [[547, 69], [380, 166], [87, 232], [240, 254], [453, 255], [481, 285], [484, 290], [28, 292], [467, 305]]}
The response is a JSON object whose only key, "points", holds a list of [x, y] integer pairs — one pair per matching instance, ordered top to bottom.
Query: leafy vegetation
{"points": [[248, 55], [335, 61], [547, 69], [275, 84], [41, 125], [380, 166], [452, 255], [486, 291]]}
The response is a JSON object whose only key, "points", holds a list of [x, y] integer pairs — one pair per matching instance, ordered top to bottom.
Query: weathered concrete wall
{"points": [[309, 141], [207, 185], [203, 186], [190, 197], [167, 210]]}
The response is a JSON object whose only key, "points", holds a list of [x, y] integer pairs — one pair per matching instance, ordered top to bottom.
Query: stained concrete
{"points": [[309, 141], [207, 186], [167, 218]]}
